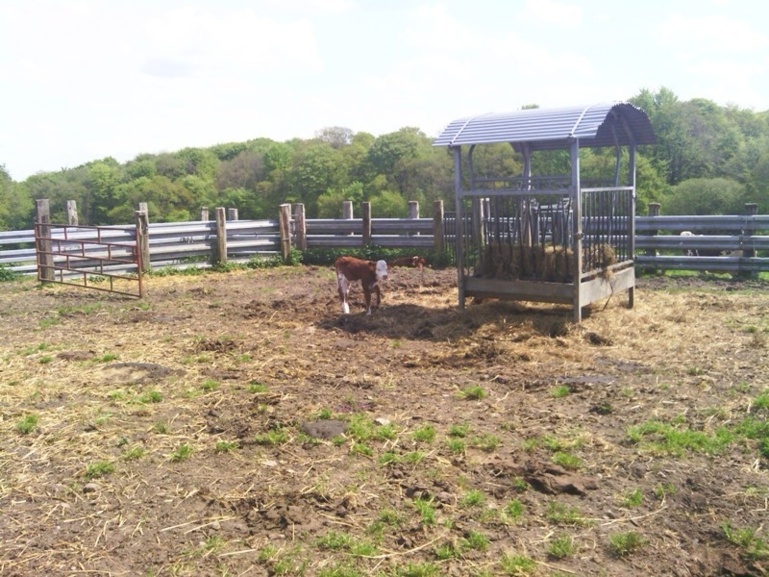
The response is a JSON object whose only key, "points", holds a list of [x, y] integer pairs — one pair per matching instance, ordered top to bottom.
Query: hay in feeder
{"points": [[548, 263]]}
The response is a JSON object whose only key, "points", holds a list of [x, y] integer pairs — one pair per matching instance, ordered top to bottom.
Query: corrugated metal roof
{"points": [[547, 129]]}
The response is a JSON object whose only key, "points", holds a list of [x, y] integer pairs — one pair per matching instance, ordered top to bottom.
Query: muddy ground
{"points": [[238, 424]]}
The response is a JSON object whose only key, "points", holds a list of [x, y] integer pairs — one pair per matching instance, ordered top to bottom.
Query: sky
{"points": [[81, 80]]}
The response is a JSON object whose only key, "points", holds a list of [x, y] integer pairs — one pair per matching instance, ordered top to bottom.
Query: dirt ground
{"points": [[238, 424]]}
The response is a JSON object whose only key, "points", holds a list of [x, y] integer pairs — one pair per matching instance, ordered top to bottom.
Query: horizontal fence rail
{"points": [[731, 243]]}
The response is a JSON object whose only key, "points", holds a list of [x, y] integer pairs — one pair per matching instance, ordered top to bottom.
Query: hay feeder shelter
{"points": [[556, 238]]}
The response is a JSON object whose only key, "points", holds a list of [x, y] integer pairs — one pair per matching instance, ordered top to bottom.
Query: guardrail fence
{"points": [[732, 243]]}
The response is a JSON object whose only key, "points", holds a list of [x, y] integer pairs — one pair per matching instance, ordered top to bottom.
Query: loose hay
{"points": [[257, 496]]}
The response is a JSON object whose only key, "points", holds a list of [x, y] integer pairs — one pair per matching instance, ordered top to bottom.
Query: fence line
{"points": [[733, 243]]}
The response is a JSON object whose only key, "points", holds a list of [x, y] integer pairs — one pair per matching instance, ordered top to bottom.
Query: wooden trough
{"points": [[536, 237]]}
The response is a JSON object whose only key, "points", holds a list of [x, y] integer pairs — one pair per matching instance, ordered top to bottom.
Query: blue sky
{"points": [[86, 79]]}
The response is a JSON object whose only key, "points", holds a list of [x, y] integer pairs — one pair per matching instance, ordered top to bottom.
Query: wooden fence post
{"points": [[143, 208], [413, 209], [347, 210], [654, 210], [72, 213], [204, 213], [366, 213], [232, 214], [300, 226], [285, 232], [143, 240], [439, 241], [220, 254], [45, 270]]}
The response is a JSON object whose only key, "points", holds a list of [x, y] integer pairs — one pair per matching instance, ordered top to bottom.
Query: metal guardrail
{"points": [[184, 244]]}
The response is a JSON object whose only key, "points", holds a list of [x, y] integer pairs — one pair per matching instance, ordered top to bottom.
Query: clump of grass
{"points": [[105, 358], [45, 360], [210, 385], [257, 387], [560, 391], [473, 393], [150, 397], [26, 425], [459, 431], [424, 434], [276, 436], [667, 438], [485, 442], [225, 446], [457, 446], [182, 453], [133, 454], [568, 461], [99, 469], [473, 498], [633, 499], [426, 510], [513, 511], [562, 514], [475, 541], [622, 544], [752, 546], [561, 547], [518, 565], [416, 570]]}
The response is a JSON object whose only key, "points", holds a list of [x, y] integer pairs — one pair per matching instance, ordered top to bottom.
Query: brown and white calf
{"points": [[409, 261], [350, 270]]}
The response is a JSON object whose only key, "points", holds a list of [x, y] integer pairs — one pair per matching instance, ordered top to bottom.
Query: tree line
{"points": [[709, 159]]}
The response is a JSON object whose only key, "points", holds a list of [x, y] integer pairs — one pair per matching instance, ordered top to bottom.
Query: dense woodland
{"points": [[708, 159]]}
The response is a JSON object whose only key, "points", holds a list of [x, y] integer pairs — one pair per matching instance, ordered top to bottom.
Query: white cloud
{"points": [[555, 13], [697, 36]]}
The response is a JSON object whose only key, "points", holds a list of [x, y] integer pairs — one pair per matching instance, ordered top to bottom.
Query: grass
{"points": [[560, 391], [474, 393], [27, 424], [424, 434], [276, 436], [182, 453], [99, 469], [633, 499], [563, 515], [622, 544], [752, 546], [561, 547], [518, 565]]}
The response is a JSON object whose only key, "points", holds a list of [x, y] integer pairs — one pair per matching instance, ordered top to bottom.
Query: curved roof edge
{"points": [[597, 125]]}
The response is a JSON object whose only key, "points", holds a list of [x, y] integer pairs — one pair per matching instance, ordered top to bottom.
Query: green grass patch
{"points": [[474, 393], [27, 424], [99, 469], [622, 544]]}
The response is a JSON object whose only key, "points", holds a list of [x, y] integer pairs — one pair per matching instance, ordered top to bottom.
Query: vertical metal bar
{"points": [[460, 225]]}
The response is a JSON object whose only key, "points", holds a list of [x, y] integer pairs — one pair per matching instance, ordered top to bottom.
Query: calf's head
{"points": [[380, 269]]}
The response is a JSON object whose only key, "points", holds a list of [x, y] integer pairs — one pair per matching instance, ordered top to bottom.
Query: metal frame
{"points": [[508, 209], [66, 253]]}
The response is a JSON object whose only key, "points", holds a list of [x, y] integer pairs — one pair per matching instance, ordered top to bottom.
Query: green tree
{"points": [[705, 196], [16, 206]]}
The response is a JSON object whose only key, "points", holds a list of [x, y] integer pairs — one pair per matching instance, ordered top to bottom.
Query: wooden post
{"points": [[143, 208], [413, 209], [751, 209], [347, 210], [366, 210], [654, 210], [72, 213], [204, 213], [232, 214], [300, 226], [285, 232], [143, 241], [439, 241], [220, 254], [45, 270]]}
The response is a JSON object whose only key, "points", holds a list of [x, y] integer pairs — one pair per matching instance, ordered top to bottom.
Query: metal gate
{"points": [[105, 258]]}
